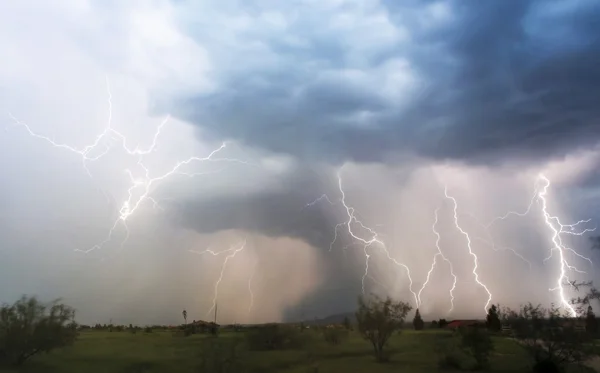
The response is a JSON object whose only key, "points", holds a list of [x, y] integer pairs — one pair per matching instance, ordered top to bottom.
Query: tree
{"points": [[184, 313], [378, 319], [418, 321], [493, 322], [347, 323], [442, 323], [591, 323], [29, 327], [550, 337], [479, 344]]}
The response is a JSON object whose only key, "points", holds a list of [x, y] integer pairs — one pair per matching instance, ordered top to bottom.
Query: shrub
{"points": [[29, 327], [334, 336], [275, 337], [478, 343]]}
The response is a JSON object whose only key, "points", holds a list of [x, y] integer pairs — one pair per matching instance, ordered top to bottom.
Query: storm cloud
{"points": [[480, 82], [402, 98]]}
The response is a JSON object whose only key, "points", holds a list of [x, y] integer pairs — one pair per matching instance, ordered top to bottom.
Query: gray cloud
{"points": [[487, 81]]}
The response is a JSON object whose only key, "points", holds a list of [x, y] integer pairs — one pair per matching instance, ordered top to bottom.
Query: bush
{"points": [[29, 327], [147, 329], [334, 336], [275, 337], [478, 343], [450, 361]]}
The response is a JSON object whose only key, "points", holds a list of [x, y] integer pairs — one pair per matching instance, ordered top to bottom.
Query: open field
{"points": [[162, 351]]}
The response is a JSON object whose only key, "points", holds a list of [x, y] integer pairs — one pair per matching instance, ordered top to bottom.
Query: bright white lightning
{"points": [[140, 186], [374, 240], [558, 245], [233, 252], [475, 259], [433, 264]]}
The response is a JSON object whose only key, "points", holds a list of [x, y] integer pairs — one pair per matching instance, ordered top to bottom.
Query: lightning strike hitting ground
{"points": [[141, 186], [557, 229], [367, 243], [558, 245], [233, 250], [475, 259], [433, 264], [250, 287]]}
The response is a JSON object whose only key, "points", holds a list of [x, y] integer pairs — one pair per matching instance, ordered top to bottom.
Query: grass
{"points": [[122, 352]]}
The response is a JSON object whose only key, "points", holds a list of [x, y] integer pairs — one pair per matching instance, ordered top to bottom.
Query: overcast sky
{"points": [[384, 103]]}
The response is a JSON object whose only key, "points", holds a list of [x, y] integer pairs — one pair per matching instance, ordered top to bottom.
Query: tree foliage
{"points": [[378, 319], [492, 319], [418, 322], [29, 327], [550, 336], [478, 343]]}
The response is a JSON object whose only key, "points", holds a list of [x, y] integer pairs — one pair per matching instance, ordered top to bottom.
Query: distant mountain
{"points": [[332, 319]]}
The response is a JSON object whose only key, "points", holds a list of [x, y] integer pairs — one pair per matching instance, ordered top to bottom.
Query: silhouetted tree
{"points": [[184, 313], [378, 319], [493, 322], [347, 323], [418, 323], [442, 323], [591, 323], [29, 327], [550, 337], [478, 343]]}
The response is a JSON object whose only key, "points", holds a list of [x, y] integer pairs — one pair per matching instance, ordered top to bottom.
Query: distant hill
{"points": [[332, 319]]}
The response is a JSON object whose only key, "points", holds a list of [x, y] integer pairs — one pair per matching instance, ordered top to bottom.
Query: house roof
{"points": [[458, 323]]}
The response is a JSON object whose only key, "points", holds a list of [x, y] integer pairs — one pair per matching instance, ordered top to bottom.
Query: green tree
{"points": [[378, 319], [418, 322], [493, 322], [29, 327], [551, 341], [478, 343]]}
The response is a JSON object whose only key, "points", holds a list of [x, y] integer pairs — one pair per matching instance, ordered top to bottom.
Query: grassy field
{"points": [[161, 351]]}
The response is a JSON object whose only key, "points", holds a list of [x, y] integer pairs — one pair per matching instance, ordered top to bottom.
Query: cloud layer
{"points": [[340, 80]]}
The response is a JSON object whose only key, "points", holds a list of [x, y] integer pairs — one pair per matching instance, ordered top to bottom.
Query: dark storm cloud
{"points": [[496, 79], [283, 212]]}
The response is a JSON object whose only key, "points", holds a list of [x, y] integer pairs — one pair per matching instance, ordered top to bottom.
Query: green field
{"points": [[164, 351]]}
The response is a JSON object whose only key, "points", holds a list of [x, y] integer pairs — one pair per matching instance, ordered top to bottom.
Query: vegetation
{"points": [[378, 319], [492, 319], [418, 322], [28, 328]]}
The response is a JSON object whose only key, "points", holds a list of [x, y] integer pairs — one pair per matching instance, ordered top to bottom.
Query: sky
{"points": [[278, 159]]}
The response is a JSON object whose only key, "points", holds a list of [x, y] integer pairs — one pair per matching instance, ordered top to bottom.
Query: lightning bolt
{"points": [[140, 186], [323, 197], [557, 229], [468, 238], [368, 242], [558, 245], [233, 252], [433, 264], [250, 287]]}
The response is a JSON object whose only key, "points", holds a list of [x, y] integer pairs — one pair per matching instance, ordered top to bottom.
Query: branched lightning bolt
{"points": [[140, 187], [323, 197], [557, 229], [468, 238], [367, 243], [558, 245], [233, 252], [433, 264]]}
